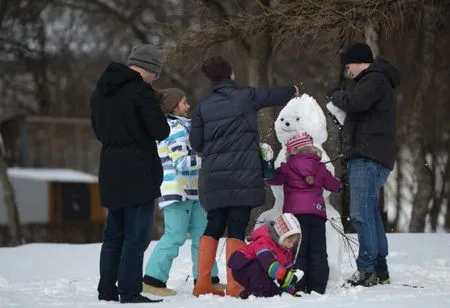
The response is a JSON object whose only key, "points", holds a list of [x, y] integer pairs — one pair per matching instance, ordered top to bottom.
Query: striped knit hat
{"points": [[301, 140], [285, 226]]}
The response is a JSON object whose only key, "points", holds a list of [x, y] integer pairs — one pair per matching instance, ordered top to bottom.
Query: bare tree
{"points": [[424, 173], [9, 200]]}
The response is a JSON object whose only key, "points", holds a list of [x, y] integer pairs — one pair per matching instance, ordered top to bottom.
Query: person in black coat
{"points": [[127, 121], [225, 134], [369, 146]]}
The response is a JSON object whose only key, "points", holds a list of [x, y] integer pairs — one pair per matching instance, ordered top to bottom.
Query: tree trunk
{"points": [[371, 34], [260, 54], [258, 75], [424, 175], [398, 193], [422, 199], [9, 200]]}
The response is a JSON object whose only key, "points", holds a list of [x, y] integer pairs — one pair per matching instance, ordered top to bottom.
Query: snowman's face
{"points": [[301, 114]]}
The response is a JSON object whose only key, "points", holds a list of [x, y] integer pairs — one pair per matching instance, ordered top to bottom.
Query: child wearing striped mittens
{"points": [[179, 201], [263, 267]]}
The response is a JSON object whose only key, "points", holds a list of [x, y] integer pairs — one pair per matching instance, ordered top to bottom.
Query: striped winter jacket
{"points": [[180, 164]]}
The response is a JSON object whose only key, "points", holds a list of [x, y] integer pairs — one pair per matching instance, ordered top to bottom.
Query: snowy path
{"points": [[59, 275]]}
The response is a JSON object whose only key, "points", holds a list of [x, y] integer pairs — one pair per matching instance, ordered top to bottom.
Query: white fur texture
{"points": [[304, 114]]}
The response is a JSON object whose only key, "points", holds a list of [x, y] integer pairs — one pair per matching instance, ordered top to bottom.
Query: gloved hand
{"points": [[330, 92], [337, 114], [266, 151], [290, 278], [286, 281]]}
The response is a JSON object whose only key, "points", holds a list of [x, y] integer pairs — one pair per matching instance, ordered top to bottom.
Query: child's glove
{"points": [[266, 151], [289, 279], [291, 290]]}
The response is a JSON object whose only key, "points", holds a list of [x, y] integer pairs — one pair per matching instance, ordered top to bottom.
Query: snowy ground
{"points": [[58, 275]]}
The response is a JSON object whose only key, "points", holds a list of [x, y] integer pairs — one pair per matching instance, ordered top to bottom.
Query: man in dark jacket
{"points": [[127, 121], [225, 133], [369, 145]]}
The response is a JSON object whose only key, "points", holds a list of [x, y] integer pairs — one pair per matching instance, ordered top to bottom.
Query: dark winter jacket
{"points": [[127, 121], [370, 125], [225, 133]]}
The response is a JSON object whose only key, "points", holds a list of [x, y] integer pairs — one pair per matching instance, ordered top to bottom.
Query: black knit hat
{"points": [[357, 53]]}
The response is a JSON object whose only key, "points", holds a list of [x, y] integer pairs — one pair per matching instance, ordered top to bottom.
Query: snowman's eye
{"points": [[282, 119], [298, 119]]}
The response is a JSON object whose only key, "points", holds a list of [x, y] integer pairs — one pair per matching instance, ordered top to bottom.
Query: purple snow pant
{"points": [[250, 274]]}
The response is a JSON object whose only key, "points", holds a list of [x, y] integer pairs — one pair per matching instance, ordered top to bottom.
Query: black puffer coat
{"points": [[127, 121], [370, 125], [225, 133]]}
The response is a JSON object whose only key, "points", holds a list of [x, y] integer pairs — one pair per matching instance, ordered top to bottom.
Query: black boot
{"points": [[364, 278], [383, 278], [244, 294], [108, 297], [139, 299]]}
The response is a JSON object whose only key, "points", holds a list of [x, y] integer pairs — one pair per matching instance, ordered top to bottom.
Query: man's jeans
{"points": [[366, 179], [126, 237]]}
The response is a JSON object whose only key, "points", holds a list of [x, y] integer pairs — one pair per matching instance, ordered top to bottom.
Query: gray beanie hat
{"points": [[146, 56]]}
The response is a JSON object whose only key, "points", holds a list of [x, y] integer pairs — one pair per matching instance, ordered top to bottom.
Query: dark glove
{"points": [[331, 92]]}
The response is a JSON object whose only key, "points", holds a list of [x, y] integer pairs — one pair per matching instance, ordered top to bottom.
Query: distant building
{"points": [[51, 142], [54, 196]]}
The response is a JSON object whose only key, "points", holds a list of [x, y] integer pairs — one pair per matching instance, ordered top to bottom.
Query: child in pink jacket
{"points": [[304, 178], [263, 267]]}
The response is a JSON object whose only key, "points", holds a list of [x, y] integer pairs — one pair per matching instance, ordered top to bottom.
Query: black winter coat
{"points": [[127, 121], [370, 126], [225, 133]]}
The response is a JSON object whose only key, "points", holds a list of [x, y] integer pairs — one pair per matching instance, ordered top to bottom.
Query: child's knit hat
{"points": [[169, 98], [302, 139], [284, 226]]}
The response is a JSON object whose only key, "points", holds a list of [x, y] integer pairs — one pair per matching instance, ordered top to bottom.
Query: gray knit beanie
{"points": [[148, 57]]}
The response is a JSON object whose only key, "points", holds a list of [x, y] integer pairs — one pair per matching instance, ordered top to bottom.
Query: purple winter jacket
{"points": [[299, 196]]}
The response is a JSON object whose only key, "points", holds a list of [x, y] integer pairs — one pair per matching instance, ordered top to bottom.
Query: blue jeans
{"points": [[366, 179], [180, 218], [126, 237]]}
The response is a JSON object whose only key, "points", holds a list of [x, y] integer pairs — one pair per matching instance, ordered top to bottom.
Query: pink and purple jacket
{"points": [[299, 196], [262, 242], [274, 259]]}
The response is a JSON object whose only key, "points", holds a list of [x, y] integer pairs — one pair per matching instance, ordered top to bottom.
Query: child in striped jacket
{"points": [[179, 201]]}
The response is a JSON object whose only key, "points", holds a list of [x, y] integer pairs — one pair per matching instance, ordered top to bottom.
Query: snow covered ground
{"points": [[60, 275]]}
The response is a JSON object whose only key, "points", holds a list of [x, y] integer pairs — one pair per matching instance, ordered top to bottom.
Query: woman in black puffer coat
{"points": [[225, 134]]}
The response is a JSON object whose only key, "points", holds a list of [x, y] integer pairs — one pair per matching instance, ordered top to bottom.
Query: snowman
{"points": [[304, 114]]}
